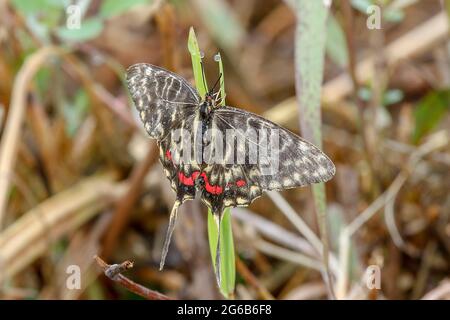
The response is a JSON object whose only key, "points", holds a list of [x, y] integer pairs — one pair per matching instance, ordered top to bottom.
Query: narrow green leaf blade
{"points": [[196, 57], [227, 266]]}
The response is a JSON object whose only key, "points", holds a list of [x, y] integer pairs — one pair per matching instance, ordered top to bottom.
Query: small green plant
{"points": [[227, 261]]}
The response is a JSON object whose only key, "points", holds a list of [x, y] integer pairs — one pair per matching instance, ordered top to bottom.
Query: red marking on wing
{"points": [[168, 155], [195, 174], [187, 181], [190, 181], [241, 183], [210, 188]]}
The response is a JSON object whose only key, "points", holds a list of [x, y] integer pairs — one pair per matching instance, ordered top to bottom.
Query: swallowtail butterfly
{"points": [[226, 165]]}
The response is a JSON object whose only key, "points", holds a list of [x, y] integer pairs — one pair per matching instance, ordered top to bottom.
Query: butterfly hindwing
{"points": [[182, 175]]}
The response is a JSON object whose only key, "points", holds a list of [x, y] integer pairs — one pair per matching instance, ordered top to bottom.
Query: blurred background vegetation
{"points": [[79, 176]]}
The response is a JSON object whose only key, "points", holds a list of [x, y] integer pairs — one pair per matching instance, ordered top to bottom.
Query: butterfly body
{"points": [[226, 155]]}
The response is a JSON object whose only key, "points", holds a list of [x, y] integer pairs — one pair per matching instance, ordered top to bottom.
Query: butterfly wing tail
{"points": [[170, 228]]}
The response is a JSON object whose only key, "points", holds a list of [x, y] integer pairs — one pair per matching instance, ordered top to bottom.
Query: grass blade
{"points": [[196, 58], [228, 264]]}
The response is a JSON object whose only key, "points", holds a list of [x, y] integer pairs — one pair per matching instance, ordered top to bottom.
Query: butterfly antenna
{"points": [[215, 84], [218, 219], [172, 220]]}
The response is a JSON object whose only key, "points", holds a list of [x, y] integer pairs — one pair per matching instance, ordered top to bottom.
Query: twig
{"points": [[114, 272]]}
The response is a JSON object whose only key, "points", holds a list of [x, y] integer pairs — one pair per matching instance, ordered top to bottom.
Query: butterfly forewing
{"points": [[163, 99]]}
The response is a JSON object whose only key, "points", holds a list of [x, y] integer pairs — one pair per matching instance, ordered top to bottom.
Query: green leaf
{"points": [[111, 8], [90, 29], [336, 45], [196, 56], [309, 59], [429, 112], [227, 265]]}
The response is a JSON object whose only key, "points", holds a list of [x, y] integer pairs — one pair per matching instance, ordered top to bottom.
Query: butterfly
{"points": [[218, 152]]}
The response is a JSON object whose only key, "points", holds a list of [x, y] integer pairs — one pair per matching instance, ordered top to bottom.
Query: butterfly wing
{"points": [[163, 99], [272, 158]]}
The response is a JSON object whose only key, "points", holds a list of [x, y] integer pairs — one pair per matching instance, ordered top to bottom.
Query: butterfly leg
{"points": [[221, 100], [172, 220]]}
